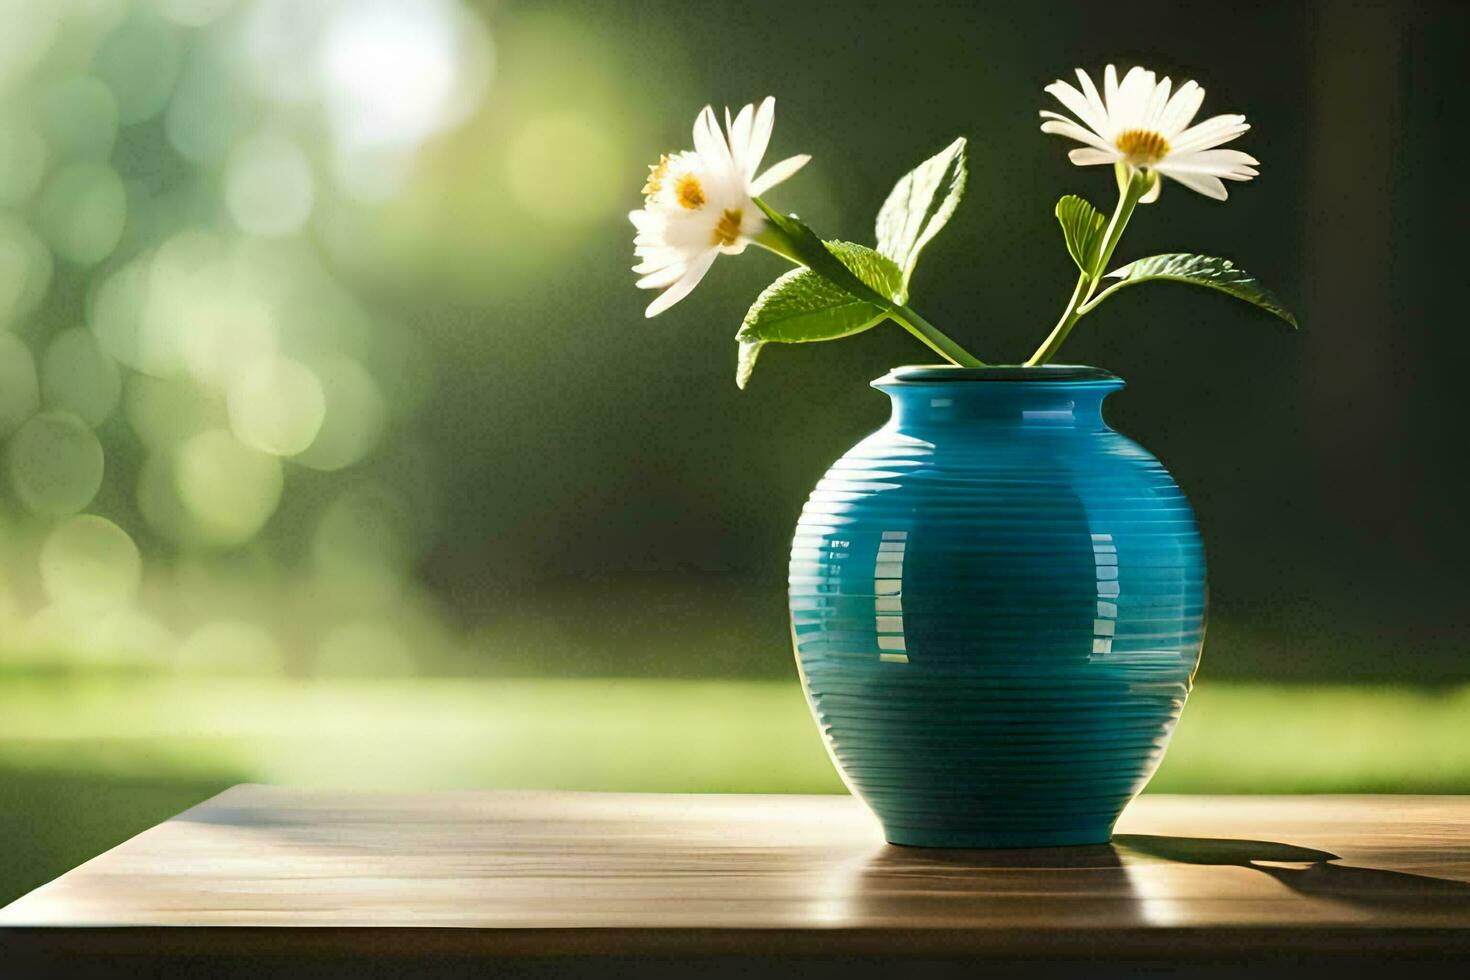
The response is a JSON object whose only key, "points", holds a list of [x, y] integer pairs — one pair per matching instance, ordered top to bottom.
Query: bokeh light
{"points": [[193, 13], [29, 30], [280, 38], [138, 62], [397, 71], [210, 112], [79, 119], [22, 159], [564, 167], [269, 187], [81, 212], [25, 270], [215, 304], [114, 315], [171, 325], [79, 377], [20, 389], [276, 405], [163, 412], [354, 417], [55, 463], [228, 489], [159, 502], [90, 561], [118, 637], [229, 647]]}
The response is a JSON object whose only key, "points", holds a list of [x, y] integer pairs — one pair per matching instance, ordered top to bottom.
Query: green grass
{"points": [[85, 762]]}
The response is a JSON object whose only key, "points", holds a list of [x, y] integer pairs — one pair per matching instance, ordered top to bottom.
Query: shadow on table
{"points": [[1311, 872], [935, 885]]}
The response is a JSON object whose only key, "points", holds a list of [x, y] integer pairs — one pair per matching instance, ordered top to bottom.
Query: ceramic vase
{"points": [[997, 608]]}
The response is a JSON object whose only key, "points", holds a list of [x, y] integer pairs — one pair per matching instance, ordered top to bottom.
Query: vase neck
{"points": [[1063, 397]]}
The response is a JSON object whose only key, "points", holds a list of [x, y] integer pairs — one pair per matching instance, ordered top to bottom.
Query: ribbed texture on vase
{"points": [[997, 606]]}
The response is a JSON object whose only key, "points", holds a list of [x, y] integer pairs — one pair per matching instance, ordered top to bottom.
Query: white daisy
{"points": [[1140, 125], [698, 203]]}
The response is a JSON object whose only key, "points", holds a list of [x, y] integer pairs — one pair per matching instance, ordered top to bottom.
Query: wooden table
{"points": [[551, 882]]}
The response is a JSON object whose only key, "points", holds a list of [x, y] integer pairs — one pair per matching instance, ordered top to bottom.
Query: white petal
{"points": [[1110, 89], [1133, 95], [1143, 95], [1093, 99], [1156, 102], [1078, 104], [1181, 109], [1061, 127], [701, 132], [1211, 132], [760, 134], [740, 140], [1210, 140], [710, 144], [1086, 156], [1238, 157], [1218, 162], [777, 173], [1204, 184], [648, 221], [678, 232], [655, 256], [658, 258], [655, 265], [697, 268], [660, 278]]}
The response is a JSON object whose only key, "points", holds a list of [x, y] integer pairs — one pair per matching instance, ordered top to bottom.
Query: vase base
{"points": [[985, 839]]}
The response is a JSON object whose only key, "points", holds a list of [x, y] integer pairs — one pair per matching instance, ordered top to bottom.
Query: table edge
{"points": [[1107, 943]]}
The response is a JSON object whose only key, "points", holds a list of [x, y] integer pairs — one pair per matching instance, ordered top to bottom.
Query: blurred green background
{"points": [[335, 449]]}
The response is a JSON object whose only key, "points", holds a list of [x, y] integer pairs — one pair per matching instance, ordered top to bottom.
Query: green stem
{"points": [[1138, 185], [1092, 304], [1070, 316], [934, 337]]}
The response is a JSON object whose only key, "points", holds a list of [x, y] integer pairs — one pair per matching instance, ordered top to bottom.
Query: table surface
{"points": [[521, 873]]}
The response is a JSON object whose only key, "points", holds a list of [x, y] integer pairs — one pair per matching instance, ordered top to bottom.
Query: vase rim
{"points": [[1008, 373]]}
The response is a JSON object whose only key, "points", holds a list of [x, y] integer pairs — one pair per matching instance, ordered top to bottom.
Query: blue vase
{"points": [[997, 606]]}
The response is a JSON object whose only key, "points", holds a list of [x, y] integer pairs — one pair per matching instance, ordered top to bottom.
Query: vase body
{"points": [[997, 609]]}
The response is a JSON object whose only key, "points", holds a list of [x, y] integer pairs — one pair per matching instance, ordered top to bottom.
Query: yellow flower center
{"points": [[1142, 146], [655, 181], [688, 192], [729, 227]]}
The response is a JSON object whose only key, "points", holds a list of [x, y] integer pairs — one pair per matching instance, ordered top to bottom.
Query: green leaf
{"points": [[920, 204], [1082, 226], [801, 244], [1199, 270], [877, 271], [803, 306], [745, 361]]}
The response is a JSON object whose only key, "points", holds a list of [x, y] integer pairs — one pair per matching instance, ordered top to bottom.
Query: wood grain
{"points": [[531, 874]]}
